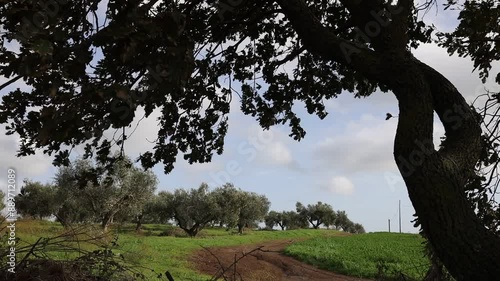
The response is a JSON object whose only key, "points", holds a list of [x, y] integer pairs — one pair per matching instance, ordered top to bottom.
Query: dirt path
{"points": [[266, 264]]}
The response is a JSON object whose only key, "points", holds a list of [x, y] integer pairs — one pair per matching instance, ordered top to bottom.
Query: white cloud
{"points": [[458, 70], [335, 106], [145, 133], [366, 145], [266, 147], [278, 154], [31, 166], [199, 168], [340, 185]]}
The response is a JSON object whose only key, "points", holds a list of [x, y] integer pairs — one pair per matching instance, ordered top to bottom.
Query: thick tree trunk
{"points": [[436, 179], [62, 221], [106, 221], [139, 222], [105, 225], [192, 232]]}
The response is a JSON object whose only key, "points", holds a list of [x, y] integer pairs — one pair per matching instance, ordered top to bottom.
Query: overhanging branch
{"points": [[330, 47]]}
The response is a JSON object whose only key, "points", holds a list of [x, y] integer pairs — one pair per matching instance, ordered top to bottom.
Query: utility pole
{"points": [[399, 216], [389, 225]]}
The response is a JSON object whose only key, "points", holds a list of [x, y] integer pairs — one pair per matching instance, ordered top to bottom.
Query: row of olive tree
{"points": [[84, 192], [194, 209], [314, 215]]}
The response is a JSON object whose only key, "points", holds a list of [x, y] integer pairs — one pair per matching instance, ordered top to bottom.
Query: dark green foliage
{"points": [[477, 36], [165, 58], [99, 194], [36, 200], [226, 205], [193, 209], [316, 214], [285, 220]]}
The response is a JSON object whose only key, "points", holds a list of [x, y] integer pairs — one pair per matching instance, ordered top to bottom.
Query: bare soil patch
{"points": [[266, 264]]}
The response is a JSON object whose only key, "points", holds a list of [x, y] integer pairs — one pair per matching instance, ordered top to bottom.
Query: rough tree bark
{"points": [[435, 179]]}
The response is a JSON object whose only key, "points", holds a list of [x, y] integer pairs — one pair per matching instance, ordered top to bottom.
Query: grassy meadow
{"points": [[162, 248], [370, 255]]}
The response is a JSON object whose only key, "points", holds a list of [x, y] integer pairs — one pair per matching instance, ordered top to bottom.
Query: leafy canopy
{"points": [[89, 72], [87, 195]]}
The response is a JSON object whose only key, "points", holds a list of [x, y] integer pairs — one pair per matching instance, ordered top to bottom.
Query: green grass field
{"points": [[162, 253], [355, 255], [365, 255]]}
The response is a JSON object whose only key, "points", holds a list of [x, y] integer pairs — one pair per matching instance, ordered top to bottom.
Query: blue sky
{"points": [[344, 160]]}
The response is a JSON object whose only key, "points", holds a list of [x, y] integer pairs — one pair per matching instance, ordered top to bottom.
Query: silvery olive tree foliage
{"points": [[89, 73], [124, 189], [226, 205], [239, 208], [193, 209], [317, 214], [286, 220]]}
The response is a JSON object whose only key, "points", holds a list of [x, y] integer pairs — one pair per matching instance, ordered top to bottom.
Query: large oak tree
{"points": [[89, 75]]}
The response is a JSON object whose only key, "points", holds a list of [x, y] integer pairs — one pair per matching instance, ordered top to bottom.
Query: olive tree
{"points": [[124, 188], [36, 200], [229, 201], [238, 208], [253, 208], [156, 209], [193, 209], [316, 214], [273, 219], [285, 220], [341, 220], [357, 228]]}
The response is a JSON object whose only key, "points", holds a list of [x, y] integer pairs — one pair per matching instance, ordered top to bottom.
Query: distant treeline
{"points": [[84, 192]]}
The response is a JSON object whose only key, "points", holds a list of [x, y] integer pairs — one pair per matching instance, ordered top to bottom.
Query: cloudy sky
{"points": [[345, 160]]}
